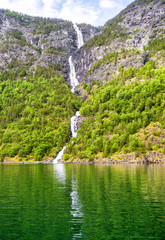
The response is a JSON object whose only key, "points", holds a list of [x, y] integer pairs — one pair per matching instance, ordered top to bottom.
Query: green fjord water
{"points": [[75, 201]]}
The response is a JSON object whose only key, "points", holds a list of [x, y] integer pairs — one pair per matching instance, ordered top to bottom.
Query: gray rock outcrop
{"points": [[33, 41]]}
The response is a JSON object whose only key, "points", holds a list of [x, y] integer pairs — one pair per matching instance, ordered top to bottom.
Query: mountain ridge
{"points": [[135, 36], [40, 41]]}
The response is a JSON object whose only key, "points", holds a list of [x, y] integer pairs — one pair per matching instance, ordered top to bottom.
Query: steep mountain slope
{"points": [[29, 42], [122, 42], [123, 75], [35, 102]]}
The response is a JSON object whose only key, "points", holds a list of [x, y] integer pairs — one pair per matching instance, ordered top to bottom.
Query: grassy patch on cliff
{"points": [[111, 31]]}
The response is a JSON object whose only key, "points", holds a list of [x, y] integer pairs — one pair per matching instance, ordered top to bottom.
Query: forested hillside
{"points": [[36, 102], [35, 117], [123, 117]]}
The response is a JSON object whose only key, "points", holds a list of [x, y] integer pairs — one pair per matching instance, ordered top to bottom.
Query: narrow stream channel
{"points": [[74, 83]]}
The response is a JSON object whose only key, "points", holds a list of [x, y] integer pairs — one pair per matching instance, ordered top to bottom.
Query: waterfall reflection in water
{"points": [[60, 174], [76, 206]]}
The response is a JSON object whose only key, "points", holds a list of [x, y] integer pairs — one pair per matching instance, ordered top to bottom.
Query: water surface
{"points": [[75, 201]]}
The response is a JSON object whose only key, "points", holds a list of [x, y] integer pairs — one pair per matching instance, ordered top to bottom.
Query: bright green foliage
{"points": [[156, 45], [46, 72], [115, 112], [35, 116]]}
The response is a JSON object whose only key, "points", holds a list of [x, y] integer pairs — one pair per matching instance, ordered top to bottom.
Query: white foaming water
{"points": [[79, 35], [73, 80], [73, 125], [73, 128], [59, 156]]}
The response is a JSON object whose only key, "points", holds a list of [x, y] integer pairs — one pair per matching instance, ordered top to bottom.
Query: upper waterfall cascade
{"points": [[79, 36], [73, 79]]}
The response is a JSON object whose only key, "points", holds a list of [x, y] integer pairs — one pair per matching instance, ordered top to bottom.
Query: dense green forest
{"points": [[114, 113], [35, 116]]}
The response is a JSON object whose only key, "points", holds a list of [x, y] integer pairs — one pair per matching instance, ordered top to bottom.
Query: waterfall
{"points": [[79, 35], [73, 80], [74, 83], [73, 125], [73, 128], [59, 155]]}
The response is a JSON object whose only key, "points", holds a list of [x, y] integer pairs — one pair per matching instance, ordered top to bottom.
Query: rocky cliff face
{"points": [[128, 35], [27, 42]]}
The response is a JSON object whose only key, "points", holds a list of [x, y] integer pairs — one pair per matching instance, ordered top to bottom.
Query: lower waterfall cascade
{"points": [[74, 83], [59, 155]]}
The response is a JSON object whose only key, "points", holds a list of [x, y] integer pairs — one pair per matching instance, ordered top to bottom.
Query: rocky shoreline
{"points": [[151, 157], [25, 162], [112, 162]]}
